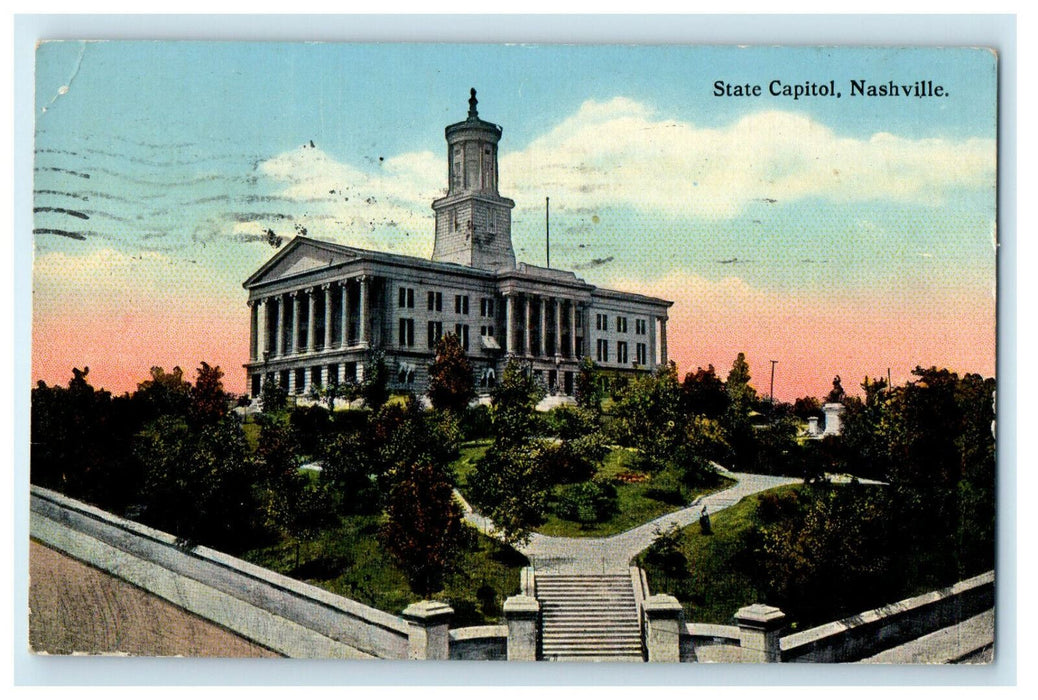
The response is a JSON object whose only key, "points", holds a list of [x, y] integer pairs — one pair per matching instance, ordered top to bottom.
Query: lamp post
{"points": [[771, 391]]}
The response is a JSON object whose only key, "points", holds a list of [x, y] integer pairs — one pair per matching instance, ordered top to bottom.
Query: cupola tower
{"points": [[473, 222]]}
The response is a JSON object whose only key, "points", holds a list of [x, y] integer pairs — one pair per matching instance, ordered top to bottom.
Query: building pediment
{"points": [[300, 256]]}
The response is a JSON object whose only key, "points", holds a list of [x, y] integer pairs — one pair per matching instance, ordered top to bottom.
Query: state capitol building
{"points": [[318, 310]]}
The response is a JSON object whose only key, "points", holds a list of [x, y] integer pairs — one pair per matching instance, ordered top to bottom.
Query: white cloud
{"points": [[619, 153]]}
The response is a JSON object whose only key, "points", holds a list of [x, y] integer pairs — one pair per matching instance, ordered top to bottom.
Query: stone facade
{"points": [[319, 309]]}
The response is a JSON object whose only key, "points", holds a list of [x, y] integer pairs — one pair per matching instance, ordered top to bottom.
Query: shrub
{"points": [[587, 502]]}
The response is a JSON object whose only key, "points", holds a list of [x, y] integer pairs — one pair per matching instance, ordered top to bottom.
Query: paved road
{"points": [[594, 555]]}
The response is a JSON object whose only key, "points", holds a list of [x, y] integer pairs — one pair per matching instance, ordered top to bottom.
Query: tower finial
{"points": [[472, 104]]}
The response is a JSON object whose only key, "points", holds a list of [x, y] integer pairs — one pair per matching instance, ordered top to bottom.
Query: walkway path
{"points": [[602, 555]]}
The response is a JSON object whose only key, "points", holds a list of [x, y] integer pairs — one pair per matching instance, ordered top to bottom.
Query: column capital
{"points": [[326, 286]]}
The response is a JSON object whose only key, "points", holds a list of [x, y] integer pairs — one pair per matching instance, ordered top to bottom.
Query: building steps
{"points": [[588, 618]]}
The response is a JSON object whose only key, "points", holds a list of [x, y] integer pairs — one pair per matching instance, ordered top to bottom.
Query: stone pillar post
{"points": [[297, 306], [311, 311], [345, 314], [327, 316], [510, 324], [544, 326], [253, 329], [261, 329], [558, 329], [573, 330], [365, 339], [527, 339], [663, 341], [279, 345], [653, 358], [833, 418], [522, 613], [662, 628], [759, 630], [427, 637]]}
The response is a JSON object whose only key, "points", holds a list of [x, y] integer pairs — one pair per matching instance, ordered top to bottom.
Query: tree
{"points": [[451, 382], [375, 388], [588, 388], [704, 393], [164, 394], [273, 397], [209, 402], [513, 403], [650, 416], [198, 483], [509, 484], [423, 526]]}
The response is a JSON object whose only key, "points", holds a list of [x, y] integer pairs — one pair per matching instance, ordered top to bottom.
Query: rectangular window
{"points": [[434, 301], [461, 304], [486, 308], [601, 322], [621, 324], [639, 326], [462, 331], [486, 331], [435, 333], [406, 334], [603, 350], [641, 351], [621, 352], [300, 381]]}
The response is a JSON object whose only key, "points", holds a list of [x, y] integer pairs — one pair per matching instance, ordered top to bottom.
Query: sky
{"points": [[836, 236]]}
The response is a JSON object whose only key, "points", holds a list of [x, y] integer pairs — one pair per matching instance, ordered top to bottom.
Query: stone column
{"points": [[297, 305], [311, 311], [345, 314], [327, 316], [510, 324], [544, 327], [261, 329], [558, 329], [253, 330], [573, 330], [365, 339], [527, 339], [279, 340], [663, 341], [653, 357], [833, 418], [522, 614], [662, 628], [759, 630], [427, 637]]}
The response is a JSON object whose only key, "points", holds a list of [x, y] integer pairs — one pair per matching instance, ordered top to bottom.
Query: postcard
{"points": [[542, 353]]}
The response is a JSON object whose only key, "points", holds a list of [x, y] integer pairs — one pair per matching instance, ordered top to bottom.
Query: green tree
{"points": [[451, 382], [588, 387], [375, 388], [704, 393], [165, 394], [273, 397], [209, 401], [649, 415], [198, 483], [509, 484], [423, 525]]}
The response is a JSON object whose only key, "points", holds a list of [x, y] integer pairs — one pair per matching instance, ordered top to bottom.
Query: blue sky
{"points": [[170, 160]]}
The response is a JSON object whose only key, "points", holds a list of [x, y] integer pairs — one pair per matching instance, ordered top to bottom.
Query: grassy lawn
{"points": [[465, 464], [634, 507], [350, 561], [716, 588]]}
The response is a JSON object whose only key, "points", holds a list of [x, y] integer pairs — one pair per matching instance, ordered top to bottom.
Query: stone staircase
{"points": [[588, 617]]}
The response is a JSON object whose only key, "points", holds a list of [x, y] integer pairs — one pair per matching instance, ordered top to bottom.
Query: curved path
{"points": [[600, 555]]}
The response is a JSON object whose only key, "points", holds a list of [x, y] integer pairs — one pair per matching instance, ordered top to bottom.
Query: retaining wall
{"points": [[287, 616], [871, 632]]}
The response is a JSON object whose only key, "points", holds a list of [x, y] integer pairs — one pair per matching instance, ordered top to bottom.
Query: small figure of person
{"points": [[704, 522]]}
